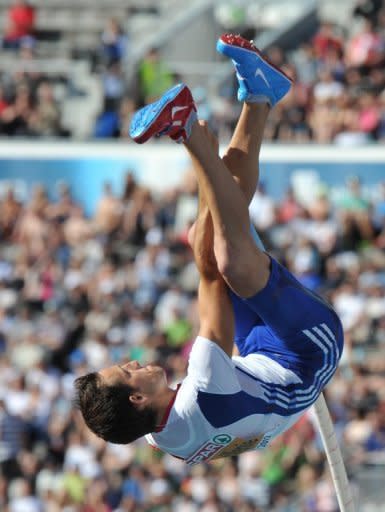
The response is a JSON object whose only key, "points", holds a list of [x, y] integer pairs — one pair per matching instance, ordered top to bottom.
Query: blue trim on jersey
{"points": [[321, 377], [305, 393], [223, 410]]}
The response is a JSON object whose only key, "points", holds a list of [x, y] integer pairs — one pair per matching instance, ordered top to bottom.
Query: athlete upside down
{"points": [[289, 340]]}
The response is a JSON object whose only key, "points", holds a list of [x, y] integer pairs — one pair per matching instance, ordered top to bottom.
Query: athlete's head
{"points": [[120, 403]]}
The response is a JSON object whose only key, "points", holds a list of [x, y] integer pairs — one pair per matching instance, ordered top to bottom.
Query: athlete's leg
{"points": [[259, 88], [174, 115], [242, 154], [241, 158], [201, 234], [244, 267], [215, 309]]}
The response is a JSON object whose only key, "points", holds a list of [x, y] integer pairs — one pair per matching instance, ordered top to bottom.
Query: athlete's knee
{"points": [[229, 260], [245, 269]]}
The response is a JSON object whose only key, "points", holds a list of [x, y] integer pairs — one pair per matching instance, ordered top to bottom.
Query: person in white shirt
{"points": [[289, 340]]}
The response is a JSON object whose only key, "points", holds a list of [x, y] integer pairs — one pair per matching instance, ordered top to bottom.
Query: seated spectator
{"points": [[21, 17], [326, 40], [114, 42], [367, 48], [306, 63], [154, 76], [113, 84], [327, 88], [369, 115], [15, 119], [45, 120], [106, 125], [350, 133], [62, 209], [10, 210], [262, 210], [108, 211], [355, 213], [77, 228], [32, 230]]}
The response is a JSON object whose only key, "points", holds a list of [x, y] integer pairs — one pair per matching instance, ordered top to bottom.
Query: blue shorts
{"points": [[291, 325]]}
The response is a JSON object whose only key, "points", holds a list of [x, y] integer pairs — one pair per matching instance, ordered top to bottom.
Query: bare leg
{"points": [[242, 154], [203, 242], [243, 266], [215, 309]]}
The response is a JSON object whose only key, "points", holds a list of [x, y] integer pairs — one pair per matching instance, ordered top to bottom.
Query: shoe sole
{"points": [[249, 48], [145, 118]]}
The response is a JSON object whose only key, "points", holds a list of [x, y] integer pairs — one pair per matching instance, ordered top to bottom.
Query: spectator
{"points": [[20, 26], [326, 40], [114, 42], [367, 48], [154, 77], [113, 84], [327, 88], [45, 120], [262, 210], [108, 212], [77, 228], [13, 437]]}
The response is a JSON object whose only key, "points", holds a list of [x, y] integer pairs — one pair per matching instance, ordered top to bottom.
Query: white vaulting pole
{"points": [[334, 456]]}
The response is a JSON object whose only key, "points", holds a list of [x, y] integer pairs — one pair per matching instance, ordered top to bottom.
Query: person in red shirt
{"points": [[20, 23], [326, 40]]}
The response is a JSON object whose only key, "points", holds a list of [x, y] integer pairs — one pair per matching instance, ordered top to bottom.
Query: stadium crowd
{"points": [[338, 96], [78, 293]]}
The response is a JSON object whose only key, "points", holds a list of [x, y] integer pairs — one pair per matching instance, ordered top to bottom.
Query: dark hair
{"points": [[108, 411]]}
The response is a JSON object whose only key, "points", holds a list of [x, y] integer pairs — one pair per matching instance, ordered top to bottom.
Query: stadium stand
{"points": [[332, 64], [77, 293]]}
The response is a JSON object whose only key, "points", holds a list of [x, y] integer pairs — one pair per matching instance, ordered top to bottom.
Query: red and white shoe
{"points": [[172, 115]]}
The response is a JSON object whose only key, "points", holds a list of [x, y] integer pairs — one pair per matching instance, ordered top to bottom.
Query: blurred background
{"points": [[94, 261]]}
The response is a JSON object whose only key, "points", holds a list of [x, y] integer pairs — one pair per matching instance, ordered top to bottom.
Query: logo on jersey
{"points": [[223, 439], [222, 445], [210, 448]]}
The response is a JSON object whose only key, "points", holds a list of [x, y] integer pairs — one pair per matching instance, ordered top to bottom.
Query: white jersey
{"points": [[224, 407]]}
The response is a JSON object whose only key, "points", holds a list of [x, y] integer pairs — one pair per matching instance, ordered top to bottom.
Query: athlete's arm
{"points": [[215, 308], [216, 314]]}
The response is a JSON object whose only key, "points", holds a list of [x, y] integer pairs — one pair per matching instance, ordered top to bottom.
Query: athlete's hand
{"points": [[210, 136]]}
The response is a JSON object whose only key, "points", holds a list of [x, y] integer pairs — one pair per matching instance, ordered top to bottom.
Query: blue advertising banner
{"points": [[86, 168]]}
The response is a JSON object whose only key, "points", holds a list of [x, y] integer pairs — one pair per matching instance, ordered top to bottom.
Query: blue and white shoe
{"points": [[259, 80], [173, 115]]}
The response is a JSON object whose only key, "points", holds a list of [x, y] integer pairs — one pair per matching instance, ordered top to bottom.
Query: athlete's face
{"points": [[147, 381]]}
